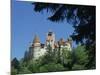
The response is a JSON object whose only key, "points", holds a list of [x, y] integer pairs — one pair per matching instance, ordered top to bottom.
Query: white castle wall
{"points": [[36, 51]]}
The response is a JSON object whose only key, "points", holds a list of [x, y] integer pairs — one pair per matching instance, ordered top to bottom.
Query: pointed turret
{"points": [[36, 41], [61, 41]]}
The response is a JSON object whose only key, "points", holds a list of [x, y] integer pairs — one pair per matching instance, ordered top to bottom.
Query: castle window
{"points": [[50, 34]]}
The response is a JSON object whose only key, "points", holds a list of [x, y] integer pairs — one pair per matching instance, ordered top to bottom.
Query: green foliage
{"points": [[66, 55], [81, 55], [50, 56], [66, 58], [80, 58], [76, 59], [15, 63], [33, 66], [51, 67], [24, 70], [13, 71]]}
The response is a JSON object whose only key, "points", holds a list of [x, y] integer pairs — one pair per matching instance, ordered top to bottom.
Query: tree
{"points": [[83, 20], [50, 55], [26, 56], [66, 58], [80, 58], [15, 63], [33, 66], [52, 67], [24, 70], [13, 71]]}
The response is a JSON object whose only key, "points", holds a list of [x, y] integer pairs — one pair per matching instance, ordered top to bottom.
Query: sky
{"points": [[26, 23]]}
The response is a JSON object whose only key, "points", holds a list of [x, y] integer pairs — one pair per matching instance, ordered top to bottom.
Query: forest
{"points": [[53, 61]]}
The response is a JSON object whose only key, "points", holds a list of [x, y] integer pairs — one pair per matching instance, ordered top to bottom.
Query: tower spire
{"points": [[36, 39]]}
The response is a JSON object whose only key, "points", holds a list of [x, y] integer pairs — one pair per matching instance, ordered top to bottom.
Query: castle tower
{"points": [[50, 39], [36, 41], [70, 41], [61, 42], [68, 44], [37, 46]]}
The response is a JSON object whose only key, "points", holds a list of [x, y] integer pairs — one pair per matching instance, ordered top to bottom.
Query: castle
{"points": [[37, 49]]}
